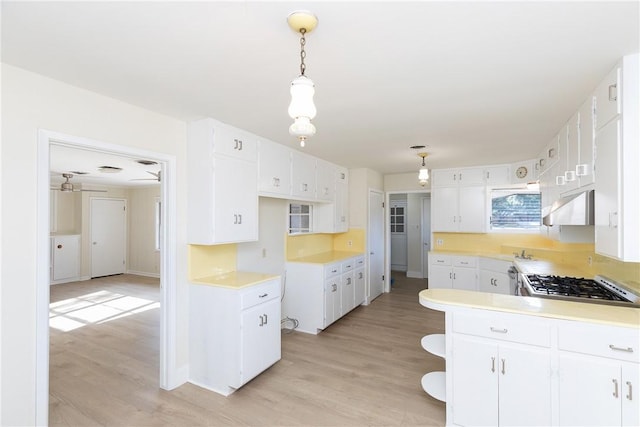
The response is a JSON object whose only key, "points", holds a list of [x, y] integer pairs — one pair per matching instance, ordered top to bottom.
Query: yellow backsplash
{"points": [[310, 244], [580, 256], [207, 261]]}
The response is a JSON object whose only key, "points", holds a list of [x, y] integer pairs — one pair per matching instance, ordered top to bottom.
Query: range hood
{"points": [[576, 209]]}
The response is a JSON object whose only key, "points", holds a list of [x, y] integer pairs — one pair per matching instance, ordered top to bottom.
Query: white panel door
{"points": [[426, 235], [108, 236], [375, 240], [66, 256]]}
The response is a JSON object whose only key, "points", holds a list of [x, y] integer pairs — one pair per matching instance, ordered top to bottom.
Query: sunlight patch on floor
{"points": [[95, 308]]}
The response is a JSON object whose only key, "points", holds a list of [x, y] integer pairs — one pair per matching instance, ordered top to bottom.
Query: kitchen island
{"points": [[513, 360]]}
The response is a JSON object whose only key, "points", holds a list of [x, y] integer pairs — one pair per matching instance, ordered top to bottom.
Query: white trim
{"points": [[143, 273], [415, 274], [170, 375]]}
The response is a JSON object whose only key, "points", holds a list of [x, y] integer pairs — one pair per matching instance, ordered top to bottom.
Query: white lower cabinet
{"points": [[65, 258], [453, 271], [494, 277], [316, 294], [234, 334], [500, 371], [599, 376]]}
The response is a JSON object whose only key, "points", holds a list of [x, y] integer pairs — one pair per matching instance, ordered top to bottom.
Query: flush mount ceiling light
{"points": [[301, 109], [109, 169], [423, 175]]}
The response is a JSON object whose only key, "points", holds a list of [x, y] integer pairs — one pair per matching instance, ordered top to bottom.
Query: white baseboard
{"points": [[397, 267], [144, 273], [415, 274], [69, 280], [180, 377]]}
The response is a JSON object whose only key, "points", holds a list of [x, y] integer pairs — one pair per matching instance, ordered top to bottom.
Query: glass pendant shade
{"points": [[302, 91], [302, 126], [423, 176]]}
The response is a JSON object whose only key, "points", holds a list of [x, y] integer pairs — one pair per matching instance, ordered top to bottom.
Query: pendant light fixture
{"points": [[301, 109], [423, 175]]}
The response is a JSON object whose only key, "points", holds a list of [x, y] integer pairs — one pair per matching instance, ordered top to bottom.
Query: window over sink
{"points": [[515, 210]]}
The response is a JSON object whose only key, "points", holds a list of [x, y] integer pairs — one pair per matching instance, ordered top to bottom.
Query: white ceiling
{"points": [[477, 82]]}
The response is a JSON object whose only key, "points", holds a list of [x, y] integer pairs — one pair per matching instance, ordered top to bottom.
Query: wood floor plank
{"points": [[363, 370]]}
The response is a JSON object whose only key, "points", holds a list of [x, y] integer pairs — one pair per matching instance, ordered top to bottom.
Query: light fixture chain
{"points": [[303, 54]]}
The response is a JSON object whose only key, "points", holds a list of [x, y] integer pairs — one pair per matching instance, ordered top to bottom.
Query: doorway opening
{"points": [[167, 248]]}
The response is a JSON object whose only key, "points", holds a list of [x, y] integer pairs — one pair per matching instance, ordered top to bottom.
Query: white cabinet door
{"points": [[608, 102], [233, 142], [571, 154], [584, 168], [274, 169], [498, 175], [303, 176], [473, 176], [325, 181], [607, 194], [342, 200], [472, 209], [236, 211], [444, 212], [440, 277], [464, 278], [347, 284], [359, 286], [331, 300], [259, 339], [528, 369], [475, 381], [629, 387], [586, 391]]}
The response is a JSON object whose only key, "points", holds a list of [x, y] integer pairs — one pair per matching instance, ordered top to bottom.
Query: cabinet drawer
{"points": [[436, 259], [464, 261], [360, 262], [348, 265], [331, 270], [260, 293], [504, 327], [600, 340]]}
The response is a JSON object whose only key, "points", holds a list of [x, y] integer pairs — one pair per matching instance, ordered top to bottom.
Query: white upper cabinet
{"points": [[571, 154], [584, 168], [274, 169], [497, 175], [303, 176], [617, 176], [454, 177], [325, 180], [222, 191], [459, 209]]}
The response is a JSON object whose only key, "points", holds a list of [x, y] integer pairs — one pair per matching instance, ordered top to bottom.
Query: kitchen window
{"points": [[515, 210], [299, 218]]}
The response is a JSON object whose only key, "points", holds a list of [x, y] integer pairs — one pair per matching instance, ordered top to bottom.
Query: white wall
{"points": [[31, 102], [360, 182], [405, 182], [414, 235], [142, 255], [267, 255]]}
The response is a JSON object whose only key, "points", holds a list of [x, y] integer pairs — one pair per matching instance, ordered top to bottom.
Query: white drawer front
{"points": [[436, 259], [464, 261], [360, 262], [348, 265], [331, 270], [259, 293], [504, 327], [600, 340]]}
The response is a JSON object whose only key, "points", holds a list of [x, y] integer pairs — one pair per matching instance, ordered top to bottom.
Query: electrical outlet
{"points": [[439, 242], [350, 243], [264, 252], [590, 260]]}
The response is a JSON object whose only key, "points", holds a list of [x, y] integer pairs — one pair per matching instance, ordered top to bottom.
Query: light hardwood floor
{"points": [[363, 370]]}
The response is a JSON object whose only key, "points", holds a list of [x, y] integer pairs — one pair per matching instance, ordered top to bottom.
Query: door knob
{"points": [[95, 243], [59, 246]]}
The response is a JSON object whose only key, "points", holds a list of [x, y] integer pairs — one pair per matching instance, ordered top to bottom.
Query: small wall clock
{"points": [[521, 172]]}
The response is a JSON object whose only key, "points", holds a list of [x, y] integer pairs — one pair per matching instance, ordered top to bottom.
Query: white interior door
{"points": [[426, 235], [108, 236], [375, 245]]}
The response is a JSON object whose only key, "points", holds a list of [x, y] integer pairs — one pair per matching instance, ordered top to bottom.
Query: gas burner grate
{"points": [[570, 287]]}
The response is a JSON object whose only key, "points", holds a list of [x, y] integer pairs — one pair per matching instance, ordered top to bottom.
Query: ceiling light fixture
{"points": [[301, 109], [423, 175]]}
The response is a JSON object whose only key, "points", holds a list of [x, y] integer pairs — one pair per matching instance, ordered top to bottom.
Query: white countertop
{"points": [[448, 299]]}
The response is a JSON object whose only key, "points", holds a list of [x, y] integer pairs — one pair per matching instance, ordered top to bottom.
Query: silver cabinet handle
{"points": [[613, 92], [240, 145], [235, 147], [235, 218], [240, 218], [450, 275], [348, 280], [263, 296], [266, 319], [261, 321], [499, 331], [628, 349], [493, 364], [503, 366], [615, 388], [630, 395]]}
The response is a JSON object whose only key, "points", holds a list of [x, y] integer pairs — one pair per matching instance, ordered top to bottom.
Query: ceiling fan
{"points": [[157, 175], [66, 186]]}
